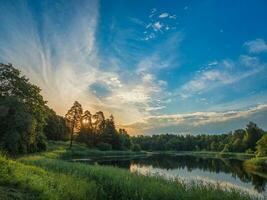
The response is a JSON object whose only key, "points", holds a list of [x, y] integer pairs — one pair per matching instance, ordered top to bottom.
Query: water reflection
{"points": [[229, 171]]}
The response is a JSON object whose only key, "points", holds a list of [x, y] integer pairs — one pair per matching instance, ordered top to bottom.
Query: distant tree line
{"points": [[95, 130], [250, 139]]}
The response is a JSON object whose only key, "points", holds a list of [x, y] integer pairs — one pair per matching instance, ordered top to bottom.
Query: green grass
{"points": [[61, 150], [257, 165], [47, 176], [44, 184]]}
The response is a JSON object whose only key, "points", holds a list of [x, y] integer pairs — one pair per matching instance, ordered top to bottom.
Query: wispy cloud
{"points": [[159, 23], [256, 46], [56, 60], [218, 74], [191, 121]]}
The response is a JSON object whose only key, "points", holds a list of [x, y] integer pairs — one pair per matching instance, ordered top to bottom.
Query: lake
{"points": [[229, 173]]}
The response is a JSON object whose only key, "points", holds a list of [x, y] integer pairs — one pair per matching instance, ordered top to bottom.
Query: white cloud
{"points": [[163, 15], [157, 26], [256, 46], [213, 63], [65, 64], [226, 72], [155, 108], [193, 120]]}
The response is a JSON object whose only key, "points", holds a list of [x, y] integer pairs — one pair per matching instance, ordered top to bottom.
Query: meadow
{"points": [[49, 175]]}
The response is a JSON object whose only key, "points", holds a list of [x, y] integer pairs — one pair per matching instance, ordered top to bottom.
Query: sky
{"points": [[162, 66]]}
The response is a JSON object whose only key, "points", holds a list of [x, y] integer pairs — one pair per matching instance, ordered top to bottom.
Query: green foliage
{"points": [[13, 84], [23, 113], [56, 127], [19, 128], [102, 131], [252, 135], [238, 141], [104, 146], [262, 146], [136, 147], [249, 151], [114, 183], [44, 184]]}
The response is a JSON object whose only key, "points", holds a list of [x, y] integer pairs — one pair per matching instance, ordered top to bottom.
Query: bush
{"points": [[104, 146], [262, 146], [136, 147], [249, 151]]}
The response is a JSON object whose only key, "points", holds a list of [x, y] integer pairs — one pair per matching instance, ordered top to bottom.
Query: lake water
{"points": [[229, 173]]}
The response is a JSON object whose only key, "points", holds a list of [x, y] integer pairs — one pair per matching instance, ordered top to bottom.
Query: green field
{"points": [[48, 176]]}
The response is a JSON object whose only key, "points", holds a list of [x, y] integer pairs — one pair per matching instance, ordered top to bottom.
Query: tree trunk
{"points": [[71, 137]]}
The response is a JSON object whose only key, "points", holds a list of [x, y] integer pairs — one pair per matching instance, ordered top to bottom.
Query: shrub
{"points": [[104, 146], [262, 146], [136, 147]]}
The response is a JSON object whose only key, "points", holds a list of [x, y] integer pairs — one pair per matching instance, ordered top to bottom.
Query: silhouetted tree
{"points": [[73, 117]]}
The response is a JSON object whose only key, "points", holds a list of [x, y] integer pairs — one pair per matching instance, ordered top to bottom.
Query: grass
{"points": [[211, 154], [257, 165], [47, 176], [43, 184]]}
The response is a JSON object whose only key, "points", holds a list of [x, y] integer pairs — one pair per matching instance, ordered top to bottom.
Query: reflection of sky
{"points": [[224, 179]]}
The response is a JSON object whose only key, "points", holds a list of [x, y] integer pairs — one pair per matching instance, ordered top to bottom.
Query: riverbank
{"points": [[210, 154], [257, 165], [47, 176]]}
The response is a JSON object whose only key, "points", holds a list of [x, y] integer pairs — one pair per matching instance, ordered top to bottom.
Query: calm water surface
{"points": [[228, 173]]}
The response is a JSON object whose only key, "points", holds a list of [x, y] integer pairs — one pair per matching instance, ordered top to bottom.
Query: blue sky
{"points": [[158, 66]]}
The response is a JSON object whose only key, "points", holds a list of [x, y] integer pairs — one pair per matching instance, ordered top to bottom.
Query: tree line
{"points": [[249, 140]]}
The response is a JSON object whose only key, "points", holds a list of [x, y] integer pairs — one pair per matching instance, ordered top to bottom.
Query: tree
{"points": [[13, 84], [26, 112], [73, 117], [99, 123], [56, 127], [18, 128], [87, 135], [252, 135], [262, 146]]}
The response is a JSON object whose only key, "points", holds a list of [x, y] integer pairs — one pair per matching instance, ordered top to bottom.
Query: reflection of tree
{"points": [[117, 163], [215, 165], [258, 182]]}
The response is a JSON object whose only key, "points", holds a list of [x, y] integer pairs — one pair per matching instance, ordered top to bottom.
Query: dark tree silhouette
{"points": [[74, 117]]}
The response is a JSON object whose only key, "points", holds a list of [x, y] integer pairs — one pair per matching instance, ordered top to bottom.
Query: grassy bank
{"points": [[210, 154], [257, 165], [47, 176]]}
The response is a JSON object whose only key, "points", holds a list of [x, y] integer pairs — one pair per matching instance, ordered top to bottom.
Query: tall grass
{"points": [[47, 176], [43, 184], [118, 184]]}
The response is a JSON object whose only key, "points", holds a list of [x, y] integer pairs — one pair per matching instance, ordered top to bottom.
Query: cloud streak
{"points": [[192, 121]]}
